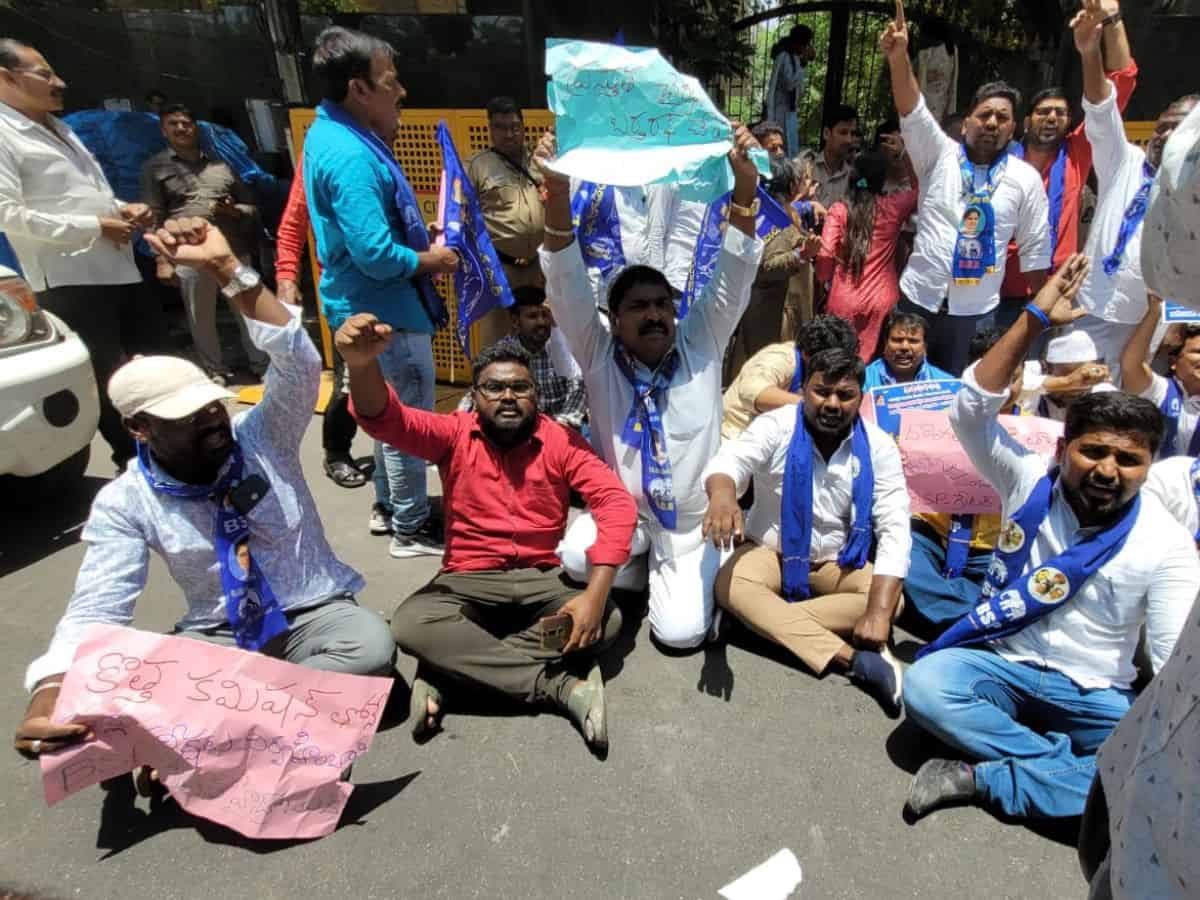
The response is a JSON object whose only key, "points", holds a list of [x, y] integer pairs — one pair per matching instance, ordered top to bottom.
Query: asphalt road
{"points": [[719, 759]]}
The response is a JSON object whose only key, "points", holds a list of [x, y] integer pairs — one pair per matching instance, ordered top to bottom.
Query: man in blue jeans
{"points": [[375, 255], [1036, 676]]}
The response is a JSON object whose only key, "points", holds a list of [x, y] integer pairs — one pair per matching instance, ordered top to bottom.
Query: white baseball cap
{"points": [[1074, 347], [163, 386]]}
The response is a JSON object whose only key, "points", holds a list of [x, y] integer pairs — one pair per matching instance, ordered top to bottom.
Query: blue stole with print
{"points": [[1056, 191], [1134, 213], [598, 227], [416, 234], [975, 246], [798, 379], [1171, 409], [644, 430], [1195, 476], [796, 516], [958, 544], [1013, 598], [250, 605]]}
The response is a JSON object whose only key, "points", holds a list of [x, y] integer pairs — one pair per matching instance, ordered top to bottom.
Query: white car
{"points": [[49, 406]]}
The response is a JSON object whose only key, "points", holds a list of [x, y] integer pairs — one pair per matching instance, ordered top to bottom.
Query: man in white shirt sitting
{"points": [[974, 197], [70, 233], [1115, 293], [654, 396], [1177, 397], [189, 454], [828, 486], [1033, 680]]}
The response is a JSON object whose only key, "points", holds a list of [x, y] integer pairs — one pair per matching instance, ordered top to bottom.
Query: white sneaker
{"points": [[381, 519]]}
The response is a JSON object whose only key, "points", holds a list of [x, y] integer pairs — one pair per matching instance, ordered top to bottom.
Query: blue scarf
{"points": [[1056, 191], [1134, 213], [598, 227], [416, 235], [975, 253], [798, 379], [1171, 409], [644, 430], [1195, 476], [796, 525], [958, 544], [1013, 598], [250, 605]]}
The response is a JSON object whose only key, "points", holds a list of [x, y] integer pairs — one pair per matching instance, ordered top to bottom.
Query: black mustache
{"points": [[652, 326]]}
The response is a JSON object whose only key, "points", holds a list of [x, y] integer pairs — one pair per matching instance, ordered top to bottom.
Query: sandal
{"points": [[343, 472], [418, 709], [587, 709]]}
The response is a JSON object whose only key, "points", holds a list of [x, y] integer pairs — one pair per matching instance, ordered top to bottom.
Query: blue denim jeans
{"points": [[407, 365], [937, 599], [1034, 730]]}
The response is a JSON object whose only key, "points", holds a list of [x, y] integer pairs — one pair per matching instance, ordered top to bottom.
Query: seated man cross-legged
{"points": [[901, 356], [507, 475], [828, 486], [180, 489], [1031, 682]]}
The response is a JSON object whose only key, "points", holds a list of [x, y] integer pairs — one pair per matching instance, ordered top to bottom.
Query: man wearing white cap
{"points": [[1072, 367], [1177, 397], [268, 581]]}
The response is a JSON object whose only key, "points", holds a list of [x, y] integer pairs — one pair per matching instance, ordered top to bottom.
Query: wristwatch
{"points": [[1111, 20], [750, 211], [243, 279]]}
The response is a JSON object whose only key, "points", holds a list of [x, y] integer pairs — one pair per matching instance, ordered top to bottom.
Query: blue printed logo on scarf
{"points": [[598, 228], [975, 247], [1172, 409], [644, 430], [1014, 597], [250, 606]]}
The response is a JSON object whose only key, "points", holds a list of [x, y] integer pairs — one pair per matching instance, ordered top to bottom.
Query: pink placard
{"points": [[941, 479], [250, 742]]}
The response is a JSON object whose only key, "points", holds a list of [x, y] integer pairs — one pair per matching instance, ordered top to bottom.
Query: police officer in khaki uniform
{"points": [[509, 193]]}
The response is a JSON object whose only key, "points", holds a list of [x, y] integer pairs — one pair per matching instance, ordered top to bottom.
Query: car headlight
{"points": [[17, 311]]}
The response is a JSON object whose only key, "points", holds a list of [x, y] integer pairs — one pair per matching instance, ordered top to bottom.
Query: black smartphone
{"points": [[249, 493]]}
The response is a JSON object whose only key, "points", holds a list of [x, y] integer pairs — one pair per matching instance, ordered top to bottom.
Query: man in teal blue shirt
{"points": [[374, 253], [901, 355]]}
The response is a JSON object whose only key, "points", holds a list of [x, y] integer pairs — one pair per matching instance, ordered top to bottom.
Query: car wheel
{"points": [[67, 474]]}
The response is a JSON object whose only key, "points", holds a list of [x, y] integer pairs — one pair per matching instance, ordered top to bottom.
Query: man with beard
{"points": [[1064, 157], [953, 277], [1114, 295], [902, 359], [561, 396], [654, 396], [1177, 397], [507, 472], [199, 474], [828, 486], [1030, 683]]}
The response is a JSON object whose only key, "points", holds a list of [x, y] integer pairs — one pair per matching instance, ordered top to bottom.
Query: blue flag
{"points": [[772, 218], [479, 281]]}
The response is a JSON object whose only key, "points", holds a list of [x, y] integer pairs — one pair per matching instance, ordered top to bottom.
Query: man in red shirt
{"points": [[1064, 157], [507, 475]]}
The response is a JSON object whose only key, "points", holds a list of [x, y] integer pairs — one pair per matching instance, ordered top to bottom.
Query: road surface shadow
{"points": [[43, 524], [123, 824]]}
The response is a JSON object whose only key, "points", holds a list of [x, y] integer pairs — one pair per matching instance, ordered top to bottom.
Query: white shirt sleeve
{"points": [[1106, 133], [924, 139], [659, 207], [1033, 229], [68, 230], [569, 293], [718, 310], [1156, 390], [750, 452], [996, 455], [1170, 481], [891, 514]]}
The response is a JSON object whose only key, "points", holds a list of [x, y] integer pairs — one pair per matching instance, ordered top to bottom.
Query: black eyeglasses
{"points": [[495, 390]]}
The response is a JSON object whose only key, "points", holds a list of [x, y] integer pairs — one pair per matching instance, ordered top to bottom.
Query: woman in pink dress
{"points": [[858, 249]]}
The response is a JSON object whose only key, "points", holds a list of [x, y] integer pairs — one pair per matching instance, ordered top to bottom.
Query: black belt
{"points": [[514, 260]]}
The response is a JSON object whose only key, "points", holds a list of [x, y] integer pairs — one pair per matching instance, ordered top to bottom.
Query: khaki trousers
{"points": [[750, 585], [482, 628]]}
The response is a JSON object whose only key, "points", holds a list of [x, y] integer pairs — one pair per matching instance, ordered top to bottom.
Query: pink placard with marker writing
{"points": [[941, 479], [250, 742]]}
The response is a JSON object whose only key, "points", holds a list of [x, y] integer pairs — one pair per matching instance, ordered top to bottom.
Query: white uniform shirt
{"points": [[52, 195], [1021, 213], [675, 226], [1120, 297], [691, 411], [1189, 414], [761, 452], [1170, 481], [1092, 638]]}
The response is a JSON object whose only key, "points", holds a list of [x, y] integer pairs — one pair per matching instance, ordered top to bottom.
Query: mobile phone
{"points": [[249, 493], [556, 631]]}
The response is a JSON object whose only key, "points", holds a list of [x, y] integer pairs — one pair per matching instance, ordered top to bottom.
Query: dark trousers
{"points": [[113, 321], [947, 341], [338, 427], [482, 628], [1095, 843]]}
